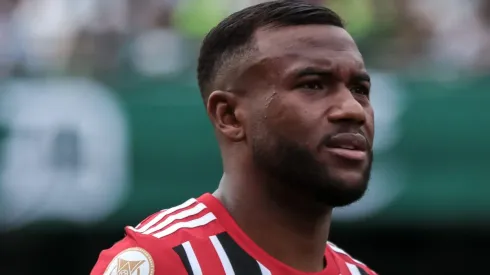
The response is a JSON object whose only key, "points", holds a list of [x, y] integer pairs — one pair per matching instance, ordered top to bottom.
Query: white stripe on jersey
{"points": [[162, 214], [179, 216], [209, 217], [341, 251], [225, 262], [196, 268], [264, 269], [353, 269]]}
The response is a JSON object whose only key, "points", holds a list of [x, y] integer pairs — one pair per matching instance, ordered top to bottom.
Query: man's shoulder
{"points": [[184, 222], [156, 242], [129, 256], [354, 265]]}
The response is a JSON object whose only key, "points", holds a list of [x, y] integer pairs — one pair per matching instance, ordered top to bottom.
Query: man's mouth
{"points": [[352, 146]]}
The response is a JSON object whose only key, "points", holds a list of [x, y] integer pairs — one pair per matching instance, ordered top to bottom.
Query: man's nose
{"points": [[347, 109]]}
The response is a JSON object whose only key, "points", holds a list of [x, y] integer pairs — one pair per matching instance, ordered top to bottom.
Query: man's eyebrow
{"points": [[308, 71], [312, 71], [361, 77]]}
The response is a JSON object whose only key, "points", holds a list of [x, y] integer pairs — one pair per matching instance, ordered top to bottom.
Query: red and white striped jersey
{"points": [[199, 237]]}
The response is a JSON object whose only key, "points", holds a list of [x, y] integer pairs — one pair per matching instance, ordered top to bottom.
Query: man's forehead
{"points": [[318, 37], [319, 44]]}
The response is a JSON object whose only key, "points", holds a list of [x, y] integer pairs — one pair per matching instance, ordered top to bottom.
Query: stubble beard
{"points": [[294, 169]]}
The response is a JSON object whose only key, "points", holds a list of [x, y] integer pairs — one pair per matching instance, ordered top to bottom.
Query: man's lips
{"points": [[352, 146]]}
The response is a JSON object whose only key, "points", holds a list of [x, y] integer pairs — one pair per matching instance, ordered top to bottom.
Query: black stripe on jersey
{"points": [[183, 257], [242, 263], [362, 271]]}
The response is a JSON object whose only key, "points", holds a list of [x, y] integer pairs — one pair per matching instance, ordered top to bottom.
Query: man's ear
{"points": [[226, 115]]}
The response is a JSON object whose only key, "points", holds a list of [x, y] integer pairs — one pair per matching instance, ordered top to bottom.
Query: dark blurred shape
{"points": [[67, 150]]}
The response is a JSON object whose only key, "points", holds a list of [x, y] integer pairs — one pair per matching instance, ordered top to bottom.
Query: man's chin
{"points": [[350, 180], [344, 189], [340, 198]]}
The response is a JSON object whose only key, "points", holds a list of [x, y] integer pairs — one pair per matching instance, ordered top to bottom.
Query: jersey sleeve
{"points": [[138, 255], [354, 266], [365, 270]]}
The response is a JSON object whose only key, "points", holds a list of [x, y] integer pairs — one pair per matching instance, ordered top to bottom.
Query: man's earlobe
{"points": [[222, 108]]}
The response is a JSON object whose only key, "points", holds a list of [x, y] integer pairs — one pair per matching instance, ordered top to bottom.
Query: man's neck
{"points": [[289, 230]]}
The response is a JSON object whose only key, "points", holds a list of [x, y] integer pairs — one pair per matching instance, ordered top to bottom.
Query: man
{"points": [[287, 93]]}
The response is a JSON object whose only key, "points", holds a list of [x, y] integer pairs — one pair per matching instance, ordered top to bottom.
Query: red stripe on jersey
{"points": [[187, 214], [160, 217], [187, 223], [191, 234], [178, 235], [207, 257], [347, 260], [343, 268]]}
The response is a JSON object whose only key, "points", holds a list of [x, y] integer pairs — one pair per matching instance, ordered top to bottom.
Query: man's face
{"points": [[311, 121]]}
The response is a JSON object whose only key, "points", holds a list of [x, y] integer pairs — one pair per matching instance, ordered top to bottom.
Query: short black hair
{"points": [[232, 38]]}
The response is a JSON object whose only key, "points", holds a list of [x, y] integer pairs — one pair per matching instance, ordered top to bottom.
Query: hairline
{"points": [[234, 60], [214, 64]]}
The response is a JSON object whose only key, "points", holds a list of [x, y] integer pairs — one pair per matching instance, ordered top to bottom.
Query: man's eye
{"points": [[312, 85], [362, 90]]}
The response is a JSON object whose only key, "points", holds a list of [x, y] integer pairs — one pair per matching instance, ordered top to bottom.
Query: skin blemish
{"points": [[268, 102]]}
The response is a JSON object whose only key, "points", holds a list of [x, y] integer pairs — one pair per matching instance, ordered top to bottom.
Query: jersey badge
{"points": [[132, 261]]}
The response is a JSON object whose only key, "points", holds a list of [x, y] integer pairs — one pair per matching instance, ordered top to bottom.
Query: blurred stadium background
{"points": [[101, 124]]}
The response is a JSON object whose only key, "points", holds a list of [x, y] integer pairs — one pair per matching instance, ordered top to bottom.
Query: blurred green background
{"points": [[102, 124]]}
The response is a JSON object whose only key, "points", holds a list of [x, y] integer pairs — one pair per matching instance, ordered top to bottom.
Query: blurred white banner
{"points": [[65, 154]]}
